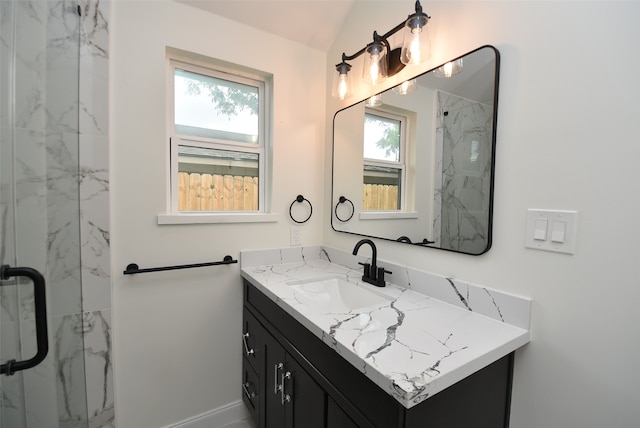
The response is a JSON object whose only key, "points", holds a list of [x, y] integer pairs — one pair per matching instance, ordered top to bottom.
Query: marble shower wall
{"points": [[58, 129], [463, 155], [94, 211]]}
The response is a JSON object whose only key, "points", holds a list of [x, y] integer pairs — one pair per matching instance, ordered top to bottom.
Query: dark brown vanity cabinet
{"points": [[291, 379]]}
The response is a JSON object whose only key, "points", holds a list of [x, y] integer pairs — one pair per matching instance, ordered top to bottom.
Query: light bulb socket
{"points": [[418, 19], [375, 48], [343, 68]]}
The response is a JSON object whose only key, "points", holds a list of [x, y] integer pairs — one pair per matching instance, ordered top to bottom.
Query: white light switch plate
{"points": [[556, 221], [295, 236]]}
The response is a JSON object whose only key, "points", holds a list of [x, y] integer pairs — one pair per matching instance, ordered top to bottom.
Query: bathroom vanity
{"points": [[324, 349]]}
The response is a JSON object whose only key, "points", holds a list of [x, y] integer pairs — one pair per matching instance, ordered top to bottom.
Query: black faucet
{"points": [[372, 273]]}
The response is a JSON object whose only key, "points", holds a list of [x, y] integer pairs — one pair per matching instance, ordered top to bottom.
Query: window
{"points": [[218, 134], [384, 166]]}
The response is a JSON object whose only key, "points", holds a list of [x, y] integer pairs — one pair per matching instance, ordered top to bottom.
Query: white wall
{"points": [[567, 139], [177, 334]]}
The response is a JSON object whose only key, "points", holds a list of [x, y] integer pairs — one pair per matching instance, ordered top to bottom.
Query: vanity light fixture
{"points": [[380, 60], [449, 69]]}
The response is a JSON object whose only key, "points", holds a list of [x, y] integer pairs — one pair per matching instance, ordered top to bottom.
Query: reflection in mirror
{"points": [[417, 166]]}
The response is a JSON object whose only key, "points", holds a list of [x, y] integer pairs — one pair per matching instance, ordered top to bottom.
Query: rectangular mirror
{"points": [[415, 164]]}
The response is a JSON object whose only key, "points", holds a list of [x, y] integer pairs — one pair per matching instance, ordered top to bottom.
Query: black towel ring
{"points": [[301, 199], [342, 200]]}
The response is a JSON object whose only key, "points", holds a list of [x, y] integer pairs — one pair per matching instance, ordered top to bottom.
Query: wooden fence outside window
{"points": [[208, 192], [379, 197]]}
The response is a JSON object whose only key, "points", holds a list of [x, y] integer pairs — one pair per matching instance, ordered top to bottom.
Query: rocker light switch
{"points": [[540, 230], [550, 230], [558, 231]]}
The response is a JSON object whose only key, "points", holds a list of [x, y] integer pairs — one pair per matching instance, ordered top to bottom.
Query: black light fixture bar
{"points": [[384, 38], [395, 59]]}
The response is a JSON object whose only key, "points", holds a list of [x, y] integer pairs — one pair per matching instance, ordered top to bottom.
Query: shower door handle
{"points": [[40, 303]]}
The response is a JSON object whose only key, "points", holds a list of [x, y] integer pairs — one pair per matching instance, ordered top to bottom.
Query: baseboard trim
{"points": [[216, 418]]}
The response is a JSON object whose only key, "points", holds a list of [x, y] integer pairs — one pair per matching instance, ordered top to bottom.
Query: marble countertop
{"points": [[413, 345]]}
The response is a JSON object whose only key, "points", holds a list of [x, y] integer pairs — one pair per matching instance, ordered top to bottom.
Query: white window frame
{"points": [[226, 72], [401, 164]]}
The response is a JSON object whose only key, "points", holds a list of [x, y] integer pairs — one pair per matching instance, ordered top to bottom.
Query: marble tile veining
{"points": [[59, 131], [461, 190], [412, 345]]}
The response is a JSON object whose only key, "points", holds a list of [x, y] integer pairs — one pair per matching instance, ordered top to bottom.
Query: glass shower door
{"points": [[39, 213]]}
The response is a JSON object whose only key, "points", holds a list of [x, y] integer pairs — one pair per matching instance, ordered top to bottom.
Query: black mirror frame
{"points": [[492, 162]]}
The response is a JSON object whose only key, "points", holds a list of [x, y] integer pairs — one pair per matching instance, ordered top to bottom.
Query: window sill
{"points": [[387, 215], [203, 218]]}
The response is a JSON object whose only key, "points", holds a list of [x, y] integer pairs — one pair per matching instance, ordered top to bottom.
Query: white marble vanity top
{"points": [[430, 333]]}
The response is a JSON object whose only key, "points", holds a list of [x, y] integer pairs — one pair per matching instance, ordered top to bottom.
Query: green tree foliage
{"points": [[230, 101], [390, 135]]}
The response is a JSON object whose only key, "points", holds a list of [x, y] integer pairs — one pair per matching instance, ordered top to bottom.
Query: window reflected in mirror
{"points": [[426, 156], [383, 171]]}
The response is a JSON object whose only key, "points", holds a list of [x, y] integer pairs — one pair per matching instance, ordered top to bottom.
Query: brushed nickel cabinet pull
{"points": [[247, 350], [276, 368], [245, 388], [285, 398]]}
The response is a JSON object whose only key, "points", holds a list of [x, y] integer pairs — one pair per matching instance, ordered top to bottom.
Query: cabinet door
{"points": [[252, 331], [275, 358], [305, 407], [337, 418]]}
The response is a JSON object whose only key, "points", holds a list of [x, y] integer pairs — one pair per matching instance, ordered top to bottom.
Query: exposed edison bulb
{"points": [[415, 43], [413, 55], [374, 71], [342, 81], [342, 86]]}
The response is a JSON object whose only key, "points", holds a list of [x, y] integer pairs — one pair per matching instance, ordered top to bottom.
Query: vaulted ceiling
{"points": [[313, 23]]}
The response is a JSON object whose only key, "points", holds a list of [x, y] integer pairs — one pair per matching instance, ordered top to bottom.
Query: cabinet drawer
{"points": [[251, 333], [251, 390]]}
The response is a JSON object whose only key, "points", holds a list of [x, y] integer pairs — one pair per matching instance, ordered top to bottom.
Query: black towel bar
{"points": [[133, 268]]}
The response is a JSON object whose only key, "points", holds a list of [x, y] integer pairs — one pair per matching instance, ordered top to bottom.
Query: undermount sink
{"points": [[334, 294]]}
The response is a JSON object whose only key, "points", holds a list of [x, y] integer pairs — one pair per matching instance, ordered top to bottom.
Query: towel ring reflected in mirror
{"points": [[342, 200]]}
